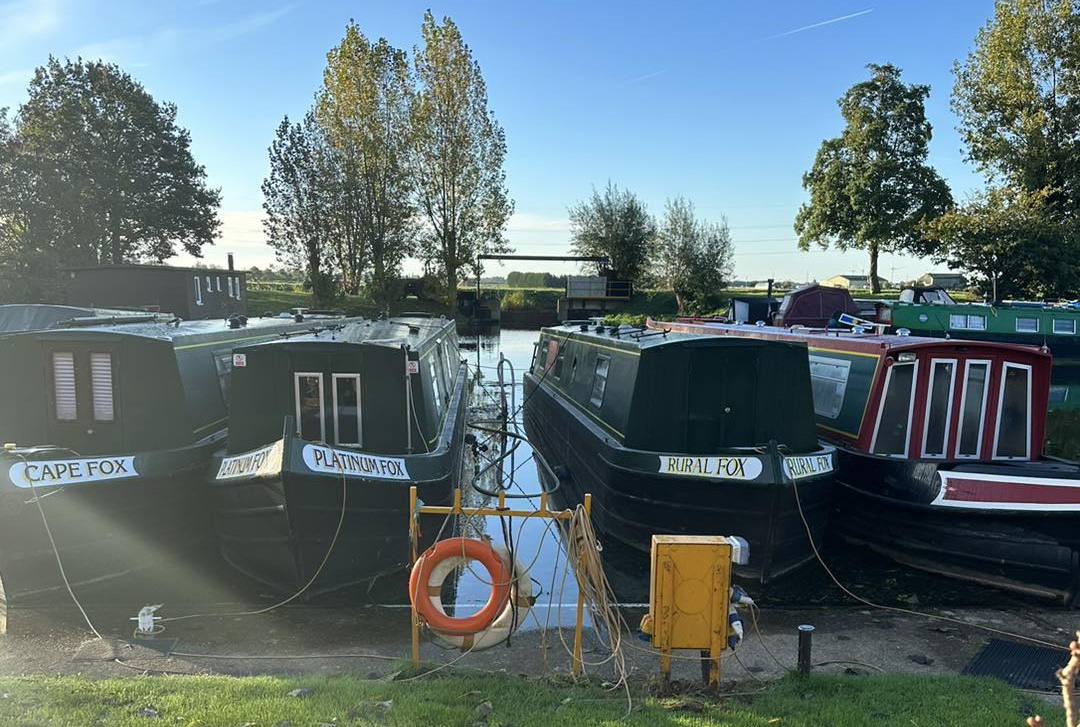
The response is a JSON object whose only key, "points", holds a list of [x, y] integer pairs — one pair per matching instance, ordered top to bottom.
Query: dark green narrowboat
{"points": [[109, 425], [329, 432], [682, 434]]}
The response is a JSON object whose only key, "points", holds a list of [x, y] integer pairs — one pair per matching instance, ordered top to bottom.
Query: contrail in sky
{"points": [[817, 25]]}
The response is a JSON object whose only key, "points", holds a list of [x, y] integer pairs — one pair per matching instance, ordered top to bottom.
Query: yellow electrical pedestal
{"points": [[689, 594]]}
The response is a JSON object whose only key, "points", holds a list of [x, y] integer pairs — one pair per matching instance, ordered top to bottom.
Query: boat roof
{"points": [[36, 316], [166, 327], [391, 332], [627, 337], [844, 339]]}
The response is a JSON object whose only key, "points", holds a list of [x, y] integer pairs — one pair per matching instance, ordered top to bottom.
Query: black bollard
{"points": [[806, 634]]}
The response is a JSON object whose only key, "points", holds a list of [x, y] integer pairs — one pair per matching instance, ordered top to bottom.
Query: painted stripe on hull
{"points": [[977, 491]]}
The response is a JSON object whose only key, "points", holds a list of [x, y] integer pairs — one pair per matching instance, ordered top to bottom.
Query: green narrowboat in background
{"points": [[933, 312], [109, 425], [329, 431], [682, 434], [940, 446]]}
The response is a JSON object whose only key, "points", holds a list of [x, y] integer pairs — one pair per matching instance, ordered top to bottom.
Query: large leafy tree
{"points": [[1018, 98], [364, 106], [459, 150], [106, 175], [871, 188], [299, 198], [614, 224], [1008, 240], [693, 257]]}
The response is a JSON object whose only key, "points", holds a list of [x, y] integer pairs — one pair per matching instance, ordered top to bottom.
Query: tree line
{"points": [[1017, 99], [394, 159], [690, 256]]}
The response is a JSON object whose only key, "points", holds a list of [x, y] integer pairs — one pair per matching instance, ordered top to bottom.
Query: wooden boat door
{"points": [[83, 407]]}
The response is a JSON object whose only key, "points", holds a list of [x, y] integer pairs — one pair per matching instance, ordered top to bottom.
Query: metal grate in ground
{"points": [[1022, 665]]}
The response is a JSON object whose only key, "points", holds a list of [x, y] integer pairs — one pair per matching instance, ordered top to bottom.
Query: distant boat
{"points": [[110, 424], [333, 428], [682, 434], [940, 448]]}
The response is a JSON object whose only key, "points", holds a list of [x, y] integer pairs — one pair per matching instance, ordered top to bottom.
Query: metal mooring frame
{"points": [[417, 509]]}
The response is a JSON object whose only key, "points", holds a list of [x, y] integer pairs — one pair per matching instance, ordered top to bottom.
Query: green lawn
{"points": [[851, 701]]}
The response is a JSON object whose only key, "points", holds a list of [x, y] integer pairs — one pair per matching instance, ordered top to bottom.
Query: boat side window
{"points": [[217, 279], [229, 280], [210, 288], [198, 290], [966, 322], [1027, 325], [1065, 325], [541, 355], [552, 357], [448, 360], [223, 364], [63, 365], [559, 365], [573, 370], [828, 379], [599, 380], [435, 385], [101, 386], [1059, 394], [939, 407], [972, 408], [347, 409], [894, 416], [310, 424], [1013, 435]]}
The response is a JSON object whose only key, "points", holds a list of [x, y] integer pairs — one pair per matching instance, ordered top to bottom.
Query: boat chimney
{"points": [[229, 257]]}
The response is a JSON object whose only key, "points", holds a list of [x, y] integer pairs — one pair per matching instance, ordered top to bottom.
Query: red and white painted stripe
{"points": [[978, 491]]}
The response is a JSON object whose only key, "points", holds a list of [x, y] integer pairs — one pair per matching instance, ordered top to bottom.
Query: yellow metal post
{"points": [[415, 622], [576, 665]]}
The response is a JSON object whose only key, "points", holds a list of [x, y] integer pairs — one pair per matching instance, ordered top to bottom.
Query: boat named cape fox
{"points": [[111, 422]]}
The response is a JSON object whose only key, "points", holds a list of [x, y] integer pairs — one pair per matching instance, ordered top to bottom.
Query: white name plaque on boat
{"points": [[257, 463], [354, 464], [726, 468], [797, 468], [53, 472]]}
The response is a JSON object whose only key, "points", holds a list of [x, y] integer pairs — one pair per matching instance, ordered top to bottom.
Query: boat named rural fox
{"points": [[682, 434]]}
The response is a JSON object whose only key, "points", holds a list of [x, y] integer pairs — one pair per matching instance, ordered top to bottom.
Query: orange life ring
{"points": [[425, 584]]}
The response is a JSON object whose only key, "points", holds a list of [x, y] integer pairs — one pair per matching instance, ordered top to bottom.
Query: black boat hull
{"points": [[632, 501], [901, 508], [278, 509], [148, 517]]}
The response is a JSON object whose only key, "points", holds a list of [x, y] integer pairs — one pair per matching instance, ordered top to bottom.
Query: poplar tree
{"points": [[364, 106], [458, 154]]}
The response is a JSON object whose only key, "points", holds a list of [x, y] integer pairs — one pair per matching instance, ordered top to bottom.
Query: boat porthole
{"points": [[923, 318]]}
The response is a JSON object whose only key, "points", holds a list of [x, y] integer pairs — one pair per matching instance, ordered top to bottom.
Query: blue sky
{"points": [[722, 102]]}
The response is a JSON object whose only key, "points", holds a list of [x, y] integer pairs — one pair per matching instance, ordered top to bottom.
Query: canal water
{"points": [[539, 548]]}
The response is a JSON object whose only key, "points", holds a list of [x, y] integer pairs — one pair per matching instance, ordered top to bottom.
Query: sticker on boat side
{"points": [[257, 463], [354, 464], [799, 467], [725, 468], [44, 473]]}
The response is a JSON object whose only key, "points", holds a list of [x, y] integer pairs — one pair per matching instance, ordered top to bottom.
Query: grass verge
{"points": [[213, 701]]}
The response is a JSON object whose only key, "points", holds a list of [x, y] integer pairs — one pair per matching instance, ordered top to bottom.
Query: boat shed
{"points": [[190, 293]]}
